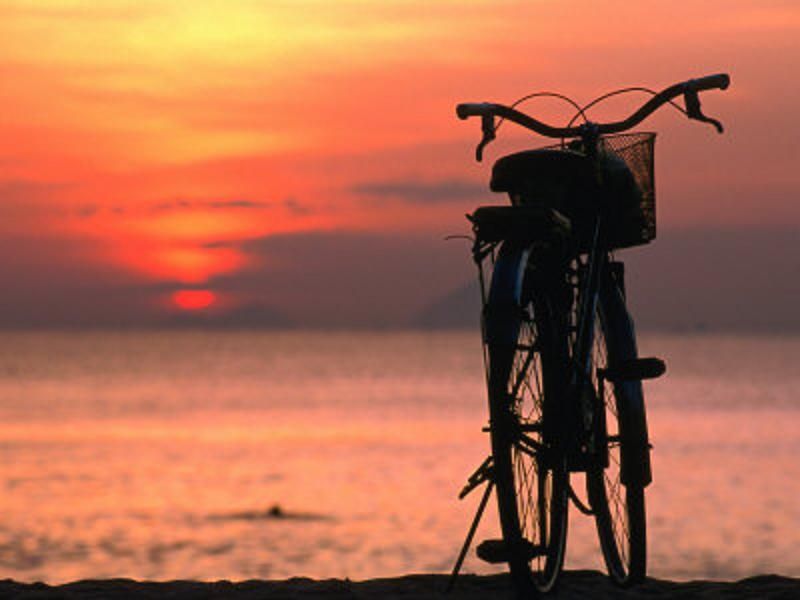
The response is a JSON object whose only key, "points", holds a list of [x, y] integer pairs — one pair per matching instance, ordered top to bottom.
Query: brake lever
{"points": [[692, 100], [487, 125]]}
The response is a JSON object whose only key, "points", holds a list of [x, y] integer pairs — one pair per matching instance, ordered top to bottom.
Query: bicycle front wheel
{"points": [[527, 372], [615, 490]]}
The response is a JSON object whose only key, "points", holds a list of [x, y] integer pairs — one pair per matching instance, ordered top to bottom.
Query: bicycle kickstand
{"points": [[483, 474]]}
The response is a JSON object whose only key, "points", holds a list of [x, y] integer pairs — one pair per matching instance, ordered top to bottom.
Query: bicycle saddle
{"points": [[543, 171]]}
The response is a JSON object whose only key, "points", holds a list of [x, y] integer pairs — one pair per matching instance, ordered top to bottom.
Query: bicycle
{"points": [[563, 373]]}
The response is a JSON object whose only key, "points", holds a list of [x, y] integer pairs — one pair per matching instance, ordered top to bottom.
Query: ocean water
{"points": [[237, 455]]}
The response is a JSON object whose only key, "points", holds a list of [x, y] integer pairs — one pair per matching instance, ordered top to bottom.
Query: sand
{"points": [[575, 584]]}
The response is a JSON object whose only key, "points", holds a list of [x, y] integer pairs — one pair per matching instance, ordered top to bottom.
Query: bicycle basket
{"points": [[627, 165]]}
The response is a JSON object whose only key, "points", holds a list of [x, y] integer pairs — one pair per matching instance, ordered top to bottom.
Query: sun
{"points": [[193, 299]]}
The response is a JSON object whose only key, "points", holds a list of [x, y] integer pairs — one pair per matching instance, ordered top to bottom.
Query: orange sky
{"points": [[153, 139]]}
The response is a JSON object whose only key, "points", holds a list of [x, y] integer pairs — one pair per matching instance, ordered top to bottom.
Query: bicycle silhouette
{"points": [[562, 368]]}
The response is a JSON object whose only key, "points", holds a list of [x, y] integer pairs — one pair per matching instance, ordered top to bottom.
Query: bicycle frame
{"points": [[600, 290], [588, 295]]}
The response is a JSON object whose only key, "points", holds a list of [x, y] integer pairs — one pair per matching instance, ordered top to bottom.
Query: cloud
{"points": [[417, 192], [184, 204], [289, 204], [295, 207], [87, 210], [90, 210], [221, 244], [347, 278], [334, 279], [722, 279], [732, 280], [54, 282]]}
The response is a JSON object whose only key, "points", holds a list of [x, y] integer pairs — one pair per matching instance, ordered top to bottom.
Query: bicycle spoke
{"points": [[522, 371]]}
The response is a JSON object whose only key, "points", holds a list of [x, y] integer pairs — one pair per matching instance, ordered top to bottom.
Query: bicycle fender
{"points": [[505, 295], [501, 315], [621, 339]]}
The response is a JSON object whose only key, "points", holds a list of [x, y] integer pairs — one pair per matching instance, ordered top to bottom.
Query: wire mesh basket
{"points": [[634, 208]]}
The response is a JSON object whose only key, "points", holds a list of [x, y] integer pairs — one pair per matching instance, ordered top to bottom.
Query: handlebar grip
{"points": [[719, 81], [472, 109]]}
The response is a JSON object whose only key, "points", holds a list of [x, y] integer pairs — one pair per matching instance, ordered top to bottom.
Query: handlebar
{"points": [[689, 89]]}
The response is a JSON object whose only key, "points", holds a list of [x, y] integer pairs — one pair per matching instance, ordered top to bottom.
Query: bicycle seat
{"points": [[543, 171]]}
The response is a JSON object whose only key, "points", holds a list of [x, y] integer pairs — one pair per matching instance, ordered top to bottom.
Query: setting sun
{"points": [[193, 299]]}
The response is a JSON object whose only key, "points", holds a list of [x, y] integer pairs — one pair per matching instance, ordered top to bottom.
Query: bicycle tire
{"points": [[527, 368], [618, 499]]}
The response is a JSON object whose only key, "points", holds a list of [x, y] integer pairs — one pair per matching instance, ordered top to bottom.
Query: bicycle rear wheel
{"points": [[527, 373], [615, 493]]}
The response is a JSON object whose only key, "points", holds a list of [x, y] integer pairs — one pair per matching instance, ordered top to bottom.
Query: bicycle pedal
{"points": [[633, 370], [492, 551], [496, 552]]}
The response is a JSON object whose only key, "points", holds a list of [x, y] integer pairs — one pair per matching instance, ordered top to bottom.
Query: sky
{"points": [[298, 162]]}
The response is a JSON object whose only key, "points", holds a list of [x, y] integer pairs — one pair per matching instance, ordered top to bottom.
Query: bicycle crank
{"points": [[633, 370]]}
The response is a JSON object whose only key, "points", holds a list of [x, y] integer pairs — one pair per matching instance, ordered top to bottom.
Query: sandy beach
{"points": [[575, 584]]}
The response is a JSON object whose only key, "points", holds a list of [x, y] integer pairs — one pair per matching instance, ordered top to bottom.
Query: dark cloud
{"points": [[417, 192], [184, 204], [237, 204], [290, 204], [295, 207], [87, 210], [90, 210], [222, 244], [350, 279], [690, 280], [731, 280], [48, 282]]}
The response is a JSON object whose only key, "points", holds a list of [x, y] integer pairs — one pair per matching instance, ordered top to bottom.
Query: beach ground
{"points": [[575, 584]]}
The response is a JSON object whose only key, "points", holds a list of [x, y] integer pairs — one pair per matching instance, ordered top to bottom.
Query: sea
{"points": [[212, 455]]}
